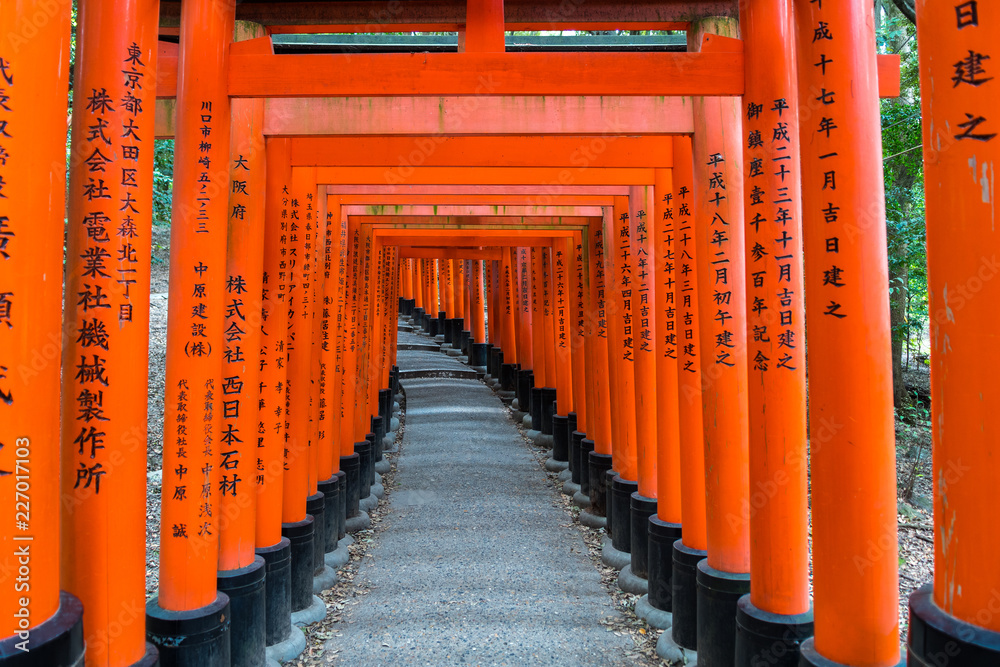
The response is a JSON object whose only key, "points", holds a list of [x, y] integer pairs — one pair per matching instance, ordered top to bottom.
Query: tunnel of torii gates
{"points": [[625, 240]]}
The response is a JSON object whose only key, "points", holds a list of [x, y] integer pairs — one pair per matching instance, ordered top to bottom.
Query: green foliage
{"points": [[163, 180], [904, 180]]}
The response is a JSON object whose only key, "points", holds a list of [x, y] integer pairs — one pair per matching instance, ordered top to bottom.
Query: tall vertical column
{"points": [[33, 93], [959, 98], [718, 184], [508, 287], [577, 291], [642, 297], [196, 317], [477, 321], [107, 329], [537, 341], [525, 350], [561, 351], [621, 353], [852, 442], [599, 461], [269, 467], [297, 524], [664, 526], [692, 547], [241, 571], [777, 608]]}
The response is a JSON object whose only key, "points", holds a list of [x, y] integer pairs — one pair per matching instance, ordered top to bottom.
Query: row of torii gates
{"points": [[651, 234]]}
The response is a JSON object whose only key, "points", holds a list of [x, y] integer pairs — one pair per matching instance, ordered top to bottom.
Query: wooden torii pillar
{"points": [[34, 77], [189, 615], [955, 620]]}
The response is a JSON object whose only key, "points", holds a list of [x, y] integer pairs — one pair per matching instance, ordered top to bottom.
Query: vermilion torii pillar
{"points": [[33, 79], [718, 184], [196, 316], [107, 329], [560, 352], [621, 355], [852, 443], [270, 458], [599, 461], [642, 503], [664, 527], [777, 612], [956, 618]]}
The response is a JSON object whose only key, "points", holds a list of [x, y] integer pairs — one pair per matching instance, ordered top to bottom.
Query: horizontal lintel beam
{"points": [[553, 176]]}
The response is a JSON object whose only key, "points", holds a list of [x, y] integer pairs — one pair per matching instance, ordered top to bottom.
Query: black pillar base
{"points": [[417, 315], [432, 326], [448, 329], [465, 337], [456, 339], [478, 355], [496, 361], [508, 374], [525, 381], [535, 400], [385, 401], [548, 410], [378, 429], [560, 438], [373, 440], [586, 447], [363, 449], [576, 458], [600, 465], [351, 466], [330, 489], [609, 500], [315, 507], [641, 509], [621, 510], [342, 515], [300, 537], [660, 573], [277, 591], [718, 595], [247, 599], [684, 629], [194, 638], [763, 638], [937, 638], [57, 640]]}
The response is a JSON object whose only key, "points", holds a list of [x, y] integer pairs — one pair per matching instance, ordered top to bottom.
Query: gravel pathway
{"points": [[475, 564]]}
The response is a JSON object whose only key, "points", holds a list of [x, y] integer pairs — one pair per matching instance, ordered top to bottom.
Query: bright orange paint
{"points": [[32, 209], [642, 306], [597, 339], [623, 343], [668, 343], [273, 352], [689, 381], [193, 396], [852, 443], [778, 501]]}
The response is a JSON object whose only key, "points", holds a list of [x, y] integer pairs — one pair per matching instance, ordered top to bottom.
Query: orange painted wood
{"points": [[484, 29], [420, 74], [888, 77], [601, 116], [404, 153], [487, 175], [718, 180], [547, 195], [501, 202], [32, 212], [559, 213], [477, 224], [960, 237], [397, 238], [301, 239], [107, 252], [441, 252], [508, 287], [577, 290], [642, 298], [546, 304], [562, 324], [478, 327], [597, 327], [332, 331], [537, 333], [525, 342], [622, 343], [668, 343], [273, 352], [689, 379], [240, 390], [852, 441], [778, 502], [189, 523]]}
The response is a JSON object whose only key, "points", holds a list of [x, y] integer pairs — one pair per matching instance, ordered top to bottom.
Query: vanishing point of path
{"points": [[475, 564]]}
